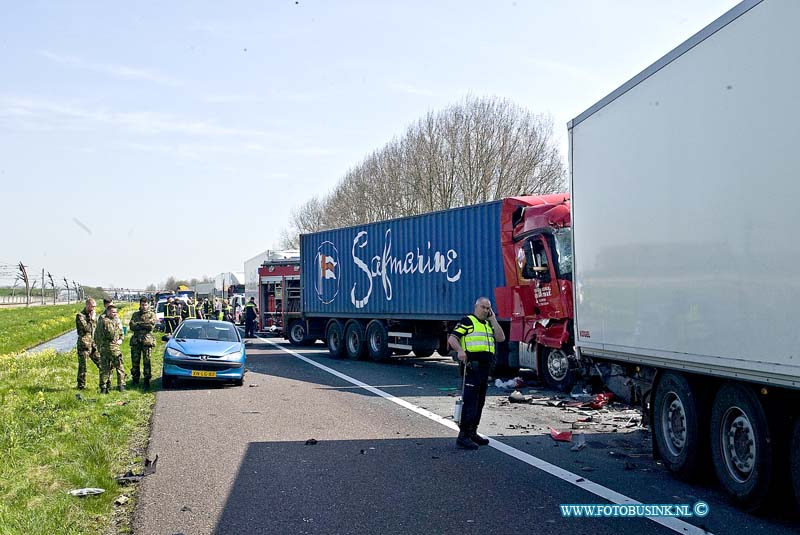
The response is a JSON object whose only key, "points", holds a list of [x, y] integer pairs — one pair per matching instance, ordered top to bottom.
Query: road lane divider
{"points": [[675, 524]]}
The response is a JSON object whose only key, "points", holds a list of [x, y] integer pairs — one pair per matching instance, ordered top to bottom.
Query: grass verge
{"points": [[24, 328], [53, 442]]}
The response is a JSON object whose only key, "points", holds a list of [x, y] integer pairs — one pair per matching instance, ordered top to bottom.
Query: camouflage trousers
{"points": [[140, 353], [82, 356], [111, 359]]}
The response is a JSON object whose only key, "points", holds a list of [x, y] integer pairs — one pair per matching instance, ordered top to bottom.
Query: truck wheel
{"points": [[297, 333], [334, 339], [355, 340], [378, 341], [556, 370], [676, 426], [741, 446], [794, 460]]}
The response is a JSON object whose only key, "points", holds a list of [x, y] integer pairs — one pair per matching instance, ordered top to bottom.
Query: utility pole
{"points": [[66, 284], [42, 285]]}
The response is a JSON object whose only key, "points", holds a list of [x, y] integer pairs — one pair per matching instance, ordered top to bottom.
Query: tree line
{"points": [[476, 151]]}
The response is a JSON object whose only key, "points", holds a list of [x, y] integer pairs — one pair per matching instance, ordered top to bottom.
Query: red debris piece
{"points": [[601, 400], [561, 436]]}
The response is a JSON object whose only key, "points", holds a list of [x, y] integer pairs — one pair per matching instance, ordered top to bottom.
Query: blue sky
{"points": [[147, 139]]}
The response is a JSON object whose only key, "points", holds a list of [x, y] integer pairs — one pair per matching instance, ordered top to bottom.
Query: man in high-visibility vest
{"points": [[250, 315], [170, 316], [474, 339]]}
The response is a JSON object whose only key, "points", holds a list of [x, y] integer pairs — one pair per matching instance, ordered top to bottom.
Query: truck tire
{"points": [[297, 333], [334, 339], [355, 340], [378, 341], [556, 369], [676, 426], [741, 446]]}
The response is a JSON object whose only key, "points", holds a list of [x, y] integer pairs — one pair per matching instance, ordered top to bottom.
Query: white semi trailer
{"points": [[686, 233]]}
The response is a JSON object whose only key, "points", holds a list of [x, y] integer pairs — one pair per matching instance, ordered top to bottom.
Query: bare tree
{"points": [[476, 151]]}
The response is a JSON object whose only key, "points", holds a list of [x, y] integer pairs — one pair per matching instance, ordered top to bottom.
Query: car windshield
{"points": [[207, 331]]}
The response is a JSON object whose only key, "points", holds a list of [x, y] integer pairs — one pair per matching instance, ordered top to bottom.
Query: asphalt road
{"points": [[235, 460]]}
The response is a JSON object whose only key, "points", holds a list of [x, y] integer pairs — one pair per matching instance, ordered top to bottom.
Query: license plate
{"points": [[198, 373]]}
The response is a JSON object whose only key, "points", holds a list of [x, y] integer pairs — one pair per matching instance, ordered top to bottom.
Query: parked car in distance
{"points": [[204, 349]]}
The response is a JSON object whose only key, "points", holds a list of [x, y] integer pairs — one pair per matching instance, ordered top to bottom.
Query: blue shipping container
{"points": [[431, 266]]}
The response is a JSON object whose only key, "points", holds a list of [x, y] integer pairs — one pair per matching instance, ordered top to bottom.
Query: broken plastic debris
{"points": [[511, 384], [517, 397], [601, 400], [562, 436], [580, 443], [88, 491]]}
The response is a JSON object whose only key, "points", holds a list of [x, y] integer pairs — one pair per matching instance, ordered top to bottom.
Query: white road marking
{"points": [[675, 524]]}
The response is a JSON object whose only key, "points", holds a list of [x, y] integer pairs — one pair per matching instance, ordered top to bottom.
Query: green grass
{"points": [[22, 328], [52, 442]]}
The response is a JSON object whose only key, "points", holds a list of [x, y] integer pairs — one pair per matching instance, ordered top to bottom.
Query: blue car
{"points": [[204, 349]]}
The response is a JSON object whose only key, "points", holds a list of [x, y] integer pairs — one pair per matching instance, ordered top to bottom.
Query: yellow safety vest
{"points": [[480, 339]]}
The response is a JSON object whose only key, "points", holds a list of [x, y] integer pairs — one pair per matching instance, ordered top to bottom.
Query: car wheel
{"points": [[167, 382], [239, 382]]}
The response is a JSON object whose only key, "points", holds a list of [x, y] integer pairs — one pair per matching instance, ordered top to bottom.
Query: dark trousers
{"points": [[249, 327], [474, 396]]}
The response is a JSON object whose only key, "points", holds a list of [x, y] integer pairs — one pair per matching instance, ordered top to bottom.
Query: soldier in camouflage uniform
{"points": [[85, 323], [142, 324], [108, 337]]}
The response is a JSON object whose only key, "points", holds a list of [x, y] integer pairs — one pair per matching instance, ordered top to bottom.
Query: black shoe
{"points": [[134, 381], [146, 385], [121, 388], [104, 390], [477, 439], [464, 442]]}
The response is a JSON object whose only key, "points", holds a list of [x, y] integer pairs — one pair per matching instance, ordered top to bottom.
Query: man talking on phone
{"points": [[474, 339]]}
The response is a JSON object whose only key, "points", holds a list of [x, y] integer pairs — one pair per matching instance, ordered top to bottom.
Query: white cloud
{"points": [[117, 71], [409, 89], [38, 113]]}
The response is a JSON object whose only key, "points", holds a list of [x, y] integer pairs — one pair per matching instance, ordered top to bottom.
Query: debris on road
{"points": [[511, 384], [253, 385], [517, 397], [561, 436], [311, 442], [580, 443], [150, 466], [88, 491], [121, 500]]}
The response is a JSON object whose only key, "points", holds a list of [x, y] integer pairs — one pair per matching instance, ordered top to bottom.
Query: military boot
{"points": [[134, 381], [146, 385], [121, 388], [103, 390], [476, 438], [464, 442]]}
